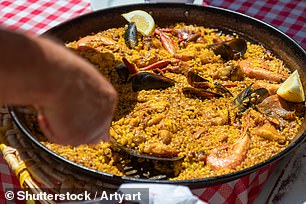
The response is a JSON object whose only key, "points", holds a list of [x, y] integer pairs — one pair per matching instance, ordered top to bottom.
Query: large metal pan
{"points": [[165, 14]]}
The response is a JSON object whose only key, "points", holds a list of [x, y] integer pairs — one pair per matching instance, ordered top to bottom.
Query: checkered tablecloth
{"points": [[37, 16], [288, 16]]}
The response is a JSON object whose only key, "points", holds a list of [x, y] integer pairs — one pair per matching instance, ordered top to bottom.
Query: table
{"points": [[37, 16]]}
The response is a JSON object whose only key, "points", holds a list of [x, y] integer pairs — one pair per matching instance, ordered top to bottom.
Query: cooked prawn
{"points": [[259, 73], [229, 156]]}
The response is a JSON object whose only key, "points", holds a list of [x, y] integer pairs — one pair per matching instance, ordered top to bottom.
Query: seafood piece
{"points": [[185, 34], [130, 35], [188, 36], [193, 37], [167, 41], [91, 42], [151, 42], [239, 47], [233, 49], [223, 50], [145, 58], [159, 64], [162, 66], [131, 67], [248, 68], [125, 70], [230, 71], [122, 72], [260, 73], [142, 80], [147, 81], [197, 81], [203, 88], [272, 88], [222, 89], [249, 98], [274, 101], [276, 106], [268, 131], [160, 150], [164, 153], [229, 156]]}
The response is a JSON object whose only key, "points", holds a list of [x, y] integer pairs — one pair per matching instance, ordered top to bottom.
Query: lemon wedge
{"points": [[144, 22], [292, 89]]}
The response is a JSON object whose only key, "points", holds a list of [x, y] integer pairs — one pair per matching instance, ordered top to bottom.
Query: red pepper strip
{"points": [[167, 42], [159, 64], [131, 67]]}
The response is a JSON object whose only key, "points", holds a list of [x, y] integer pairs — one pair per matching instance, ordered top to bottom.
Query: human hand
{"points": [[75, 102], [82, 113]]}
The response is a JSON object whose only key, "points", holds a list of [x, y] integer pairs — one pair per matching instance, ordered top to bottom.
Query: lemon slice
{"points": [[144, 22], [292, 89]]}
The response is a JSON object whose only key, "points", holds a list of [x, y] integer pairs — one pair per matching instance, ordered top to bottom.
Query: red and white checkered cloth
{"points": [[37, 16], [288, 16], [8, 180], [241, 191]]}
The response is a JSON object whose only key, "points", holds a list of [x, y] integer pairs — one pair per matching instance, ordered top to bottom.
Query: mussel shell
{"points": [[130, 35], [239, 47], [224, 50], [229, 50], [122, 72], [147, 81], [197, 81], [222, 89], [262, 93], [242, 95], [249, 98]]}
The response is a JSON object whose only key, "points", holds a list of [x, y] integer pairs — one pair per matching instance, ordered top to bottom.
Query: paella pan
{"points": [[191, 90]]}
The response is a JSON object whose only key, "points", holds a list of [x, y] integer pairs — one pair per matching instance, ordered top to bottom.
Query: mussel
{"points": [[130, 35], [239, 47], [229, 50], [125, 69], [122, 72], [142, 80], [147, 81], [197, 81], [203, 88], [249, 98]]}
